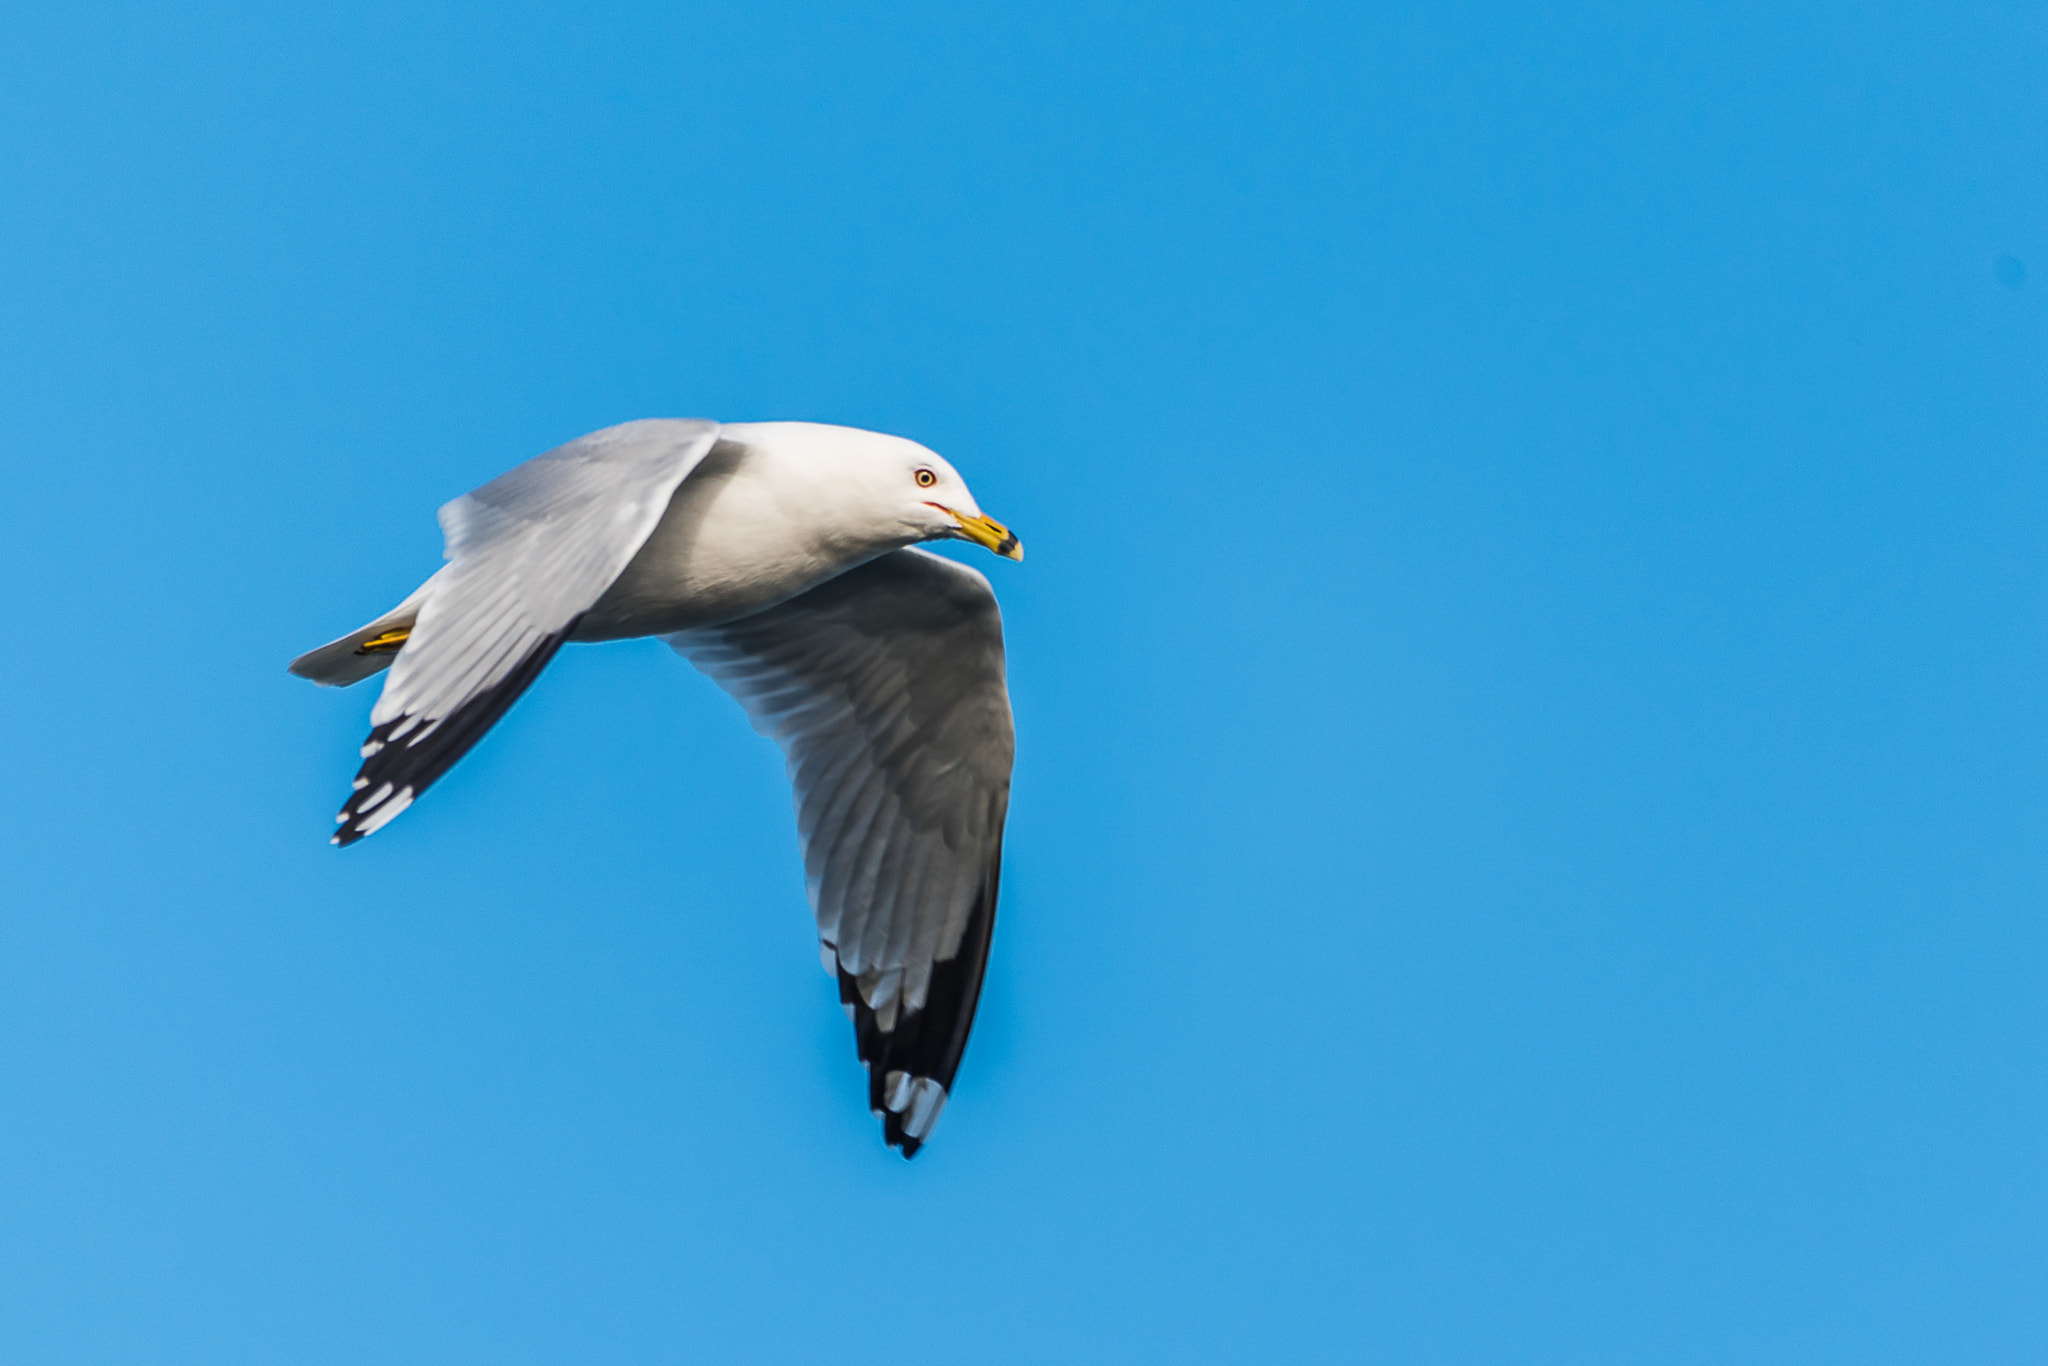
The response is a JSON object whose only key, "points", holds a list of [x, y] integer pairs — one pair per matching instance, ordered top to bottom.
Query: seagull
{"points": [[782, 560]]}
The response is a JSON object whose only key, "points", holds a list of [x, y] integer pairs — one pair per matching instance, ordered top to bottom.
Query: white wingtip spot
{"points": [[372, 747], [379, 795], [384, 815], [896, 1090], [924, 1108]]}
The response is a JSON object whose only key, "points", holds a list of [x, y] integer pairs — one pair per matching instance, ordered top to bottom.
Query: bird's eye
{"points": [[925, 479]]}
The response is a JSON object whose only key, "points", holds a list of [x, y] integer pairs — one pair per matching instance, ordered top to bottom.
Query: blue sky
{"points": [[1527, 840]]}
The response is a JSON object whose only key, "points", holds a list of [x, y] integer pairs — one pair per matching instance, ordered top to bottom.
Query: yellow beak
{"points": [[986, 531]]}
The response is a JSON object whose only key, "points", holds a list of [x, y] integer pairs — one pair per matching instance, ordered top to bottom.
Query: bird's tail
{"points": [[366, 650]]}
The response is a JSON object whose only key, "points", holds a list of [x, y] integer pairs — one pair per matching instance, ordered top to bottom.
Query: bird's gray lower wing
{"points": [[528, 553], [885, 688]]}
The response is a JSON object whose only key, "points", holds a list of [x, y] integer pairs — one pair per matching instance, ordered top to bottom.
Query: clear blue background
{"points": [[1528, 831]]}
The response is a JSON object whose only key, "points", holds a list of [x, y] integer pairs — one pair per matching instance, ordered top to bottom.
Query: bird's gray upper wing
{"points": [[528, 553], [885, 689]]}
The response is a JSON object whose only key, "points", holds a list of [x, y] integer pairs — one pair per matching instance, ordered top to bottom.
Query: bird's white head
{"points": [[878, 489]]}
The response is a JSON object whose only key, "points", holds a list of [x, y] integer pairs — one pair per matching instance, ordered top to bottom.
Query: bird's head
{"points": [[884, 489], [944, 509]]}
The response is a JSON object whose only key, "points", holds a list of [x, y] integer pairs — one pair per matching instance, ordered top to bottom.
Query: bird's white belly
{"points": [[725, 548]]}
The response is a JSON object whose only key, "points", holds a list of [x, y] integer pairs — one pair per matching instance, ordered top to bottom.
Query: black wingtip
{"points": [[403, 758], [925, 1045], [896, 1136]]}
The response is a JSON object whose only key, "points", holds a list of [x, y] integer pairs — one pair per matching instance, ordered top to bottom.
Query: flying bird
{"points": [[781, 559]]}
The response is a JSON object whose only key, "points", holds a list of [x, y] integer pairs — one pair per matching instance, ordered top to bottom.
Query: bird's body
{"points": [[756, 522], [777, 557]]}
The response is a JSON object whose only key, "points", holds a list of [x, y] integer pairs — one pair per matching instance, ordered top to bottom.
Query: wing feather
{"points": [[528, 553], [885, 689]]}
